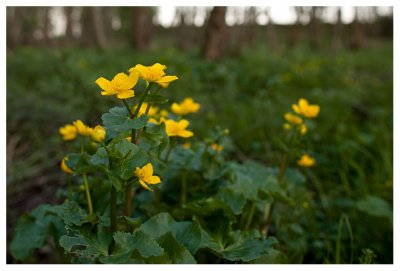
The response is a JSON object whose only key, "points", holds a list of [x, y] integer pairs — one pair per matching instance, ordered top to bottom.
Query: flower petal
{"points": [[167, 79], [104, 84], [125, 94], [303, 103], [296, 108], [183, 124], [186, 134], [148, 170], [153, 180], [145, 185]]}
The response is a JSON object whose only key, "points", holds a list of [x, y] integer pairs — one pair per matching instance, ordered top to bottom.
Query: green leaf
{"points": [[156, 99], [118, 120], [154, 137], [123, 149], [100, 158], [90, 169], [251, 178], [115, 179], [234, 200], [375, 206], [73, 214], [32, 231], [188, 233], [126, 243], [86, 246], [240, 246], [248, 246], [177, 253]]}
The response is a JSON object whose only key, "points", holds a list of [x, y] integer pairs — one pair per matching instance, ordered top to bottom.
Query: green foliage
{"points": [[351, 141]]}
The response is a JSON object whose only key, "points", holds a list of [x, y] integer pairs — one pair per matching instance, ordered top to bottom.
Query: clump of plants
{"points": [[140, 188]]}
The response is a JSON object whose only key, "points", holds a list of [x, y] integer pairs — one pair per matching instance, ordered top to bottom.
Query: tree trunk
{"points": [[86, 20], [14, 27], [47, 27], [141, 27], [314, 28], [99, 30], [337, 32], [216, 34], [295, 34], [357, 34], [69, 37], [272, 38]]}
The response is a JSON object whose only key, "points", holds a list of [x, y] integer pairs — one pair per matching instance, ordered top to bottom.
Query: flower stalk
{"points": [[87, 191]]}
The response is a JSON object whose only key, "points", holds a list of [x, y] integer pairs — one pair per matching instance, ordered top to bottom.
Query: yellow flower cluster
{"points": [[154, 73], [122, 85], [185, 107], [303, 108], [177, 128], [71, 131], [306, 161], [145, 176]]}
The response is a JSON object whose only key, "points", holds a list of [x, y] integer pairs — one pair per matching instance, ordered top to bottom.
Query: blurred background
{"points": [[246, 66]]}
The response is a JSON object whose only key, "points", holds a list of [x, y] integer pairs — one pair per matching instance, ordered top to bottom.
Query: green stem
{"points": [[142, 100], [128, 108], [171, 146], [69, 186], [184, 187], [87, 191], [128, 200], [269, 207], [113, 209], [250, 216]]}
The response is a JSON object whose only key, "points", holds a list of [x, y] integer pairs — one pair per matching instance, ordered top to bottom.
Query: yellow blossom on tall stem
{"points": [[154, 73], [121, 85], [185, 107], [305, 109], [152, 110], [293, 119], [174, 128], [82, 129], [303, 129], [68, 132], [99, 134], [186, 145], [216, 147], [306, 161], [64, 166], [145, 176]]}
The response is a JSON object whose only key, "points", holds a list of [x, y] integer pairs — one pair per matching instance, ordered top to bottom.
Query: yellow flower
{"points": [[154, 73], [121, 85], [185, 107], [305, 109], [152, 111], [164, 113], [293, 119], [287, 126], [82, 128], [174, 128], [303, 129], [68, 132], [99, 133], [186, 145], [216, 147], [306, 161], [64, 166], [145, 175]]}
